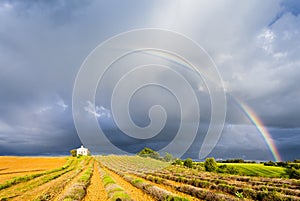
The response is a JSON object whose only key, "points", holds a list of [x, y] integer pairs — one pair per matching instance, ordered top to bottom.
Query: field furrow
{"points": [[81, 180], [205, 185], [55, 187], [48, 190], [96, 190], [158, 191], [135, 193]]}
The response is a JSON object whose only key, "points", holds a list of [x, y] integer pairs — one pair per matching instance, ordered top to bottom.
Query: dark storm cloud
{"points": [[43, 44], [37, 73]]}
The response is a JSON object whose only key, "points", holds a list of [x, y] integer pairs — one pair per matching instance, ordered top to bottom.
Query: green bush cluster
{"points": [[147, 152], [235, 160], [177, 161], [188, 163], [288, 164], [210, 165], [228, 169]]}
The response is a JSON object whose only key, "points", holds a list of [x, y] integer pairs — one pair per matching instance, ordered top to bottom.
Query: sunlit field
{"points": [[258, 170], [137, 178]]}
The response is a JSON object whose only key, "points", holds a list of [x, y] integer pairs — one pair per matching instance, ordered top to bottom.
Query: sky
{"points": [[255, 46]]}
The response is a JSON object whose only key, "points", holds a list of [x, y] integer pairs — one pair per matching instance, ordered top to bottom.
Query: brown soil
{"points": [[96, 191]]}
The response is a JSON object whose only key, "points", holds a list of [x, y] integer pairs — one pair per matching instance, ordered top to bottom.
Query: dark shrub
{"points": [[188, 163], [293, 173]]}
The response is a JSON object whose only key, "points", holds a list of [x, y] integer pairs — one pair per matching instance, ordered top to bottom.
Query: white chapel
{"points": [[82, 151]]}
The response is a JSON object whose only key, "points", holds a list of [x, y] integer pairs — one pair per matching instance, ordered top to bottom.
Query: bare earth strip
{"points": [[96, 190], [135, 193]]}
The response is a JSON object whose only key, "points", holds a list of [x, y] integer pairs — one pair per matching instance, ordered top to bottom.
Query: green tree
{"points": [[73, 152], [147, 152], [168, 157], [297, 161], [188, 163], [270, 163], [210, 165]]}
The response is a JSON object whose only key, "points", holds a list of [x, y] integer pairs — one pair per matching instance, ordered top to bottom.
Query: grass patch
{"points": [[258, 170]]}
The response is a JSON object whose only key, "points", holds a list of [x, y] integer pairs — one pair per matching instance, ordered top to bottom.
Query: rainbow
{"points": [[244, 107], [261, 128]]}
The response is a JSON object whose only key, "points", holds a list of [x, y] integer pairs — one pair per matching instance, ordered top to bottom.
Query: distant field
{"points": [[258, 169], [127, 178]]}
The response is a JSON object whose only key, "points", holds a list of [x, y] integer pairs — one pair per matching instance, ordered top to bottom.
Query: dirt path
{"points": [[96, 191], [135, 193]]}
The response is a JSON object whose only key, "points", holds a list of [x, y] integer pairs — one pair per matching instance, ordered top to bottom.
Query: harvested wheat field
{"points": [[12, 166], [125, 178]]}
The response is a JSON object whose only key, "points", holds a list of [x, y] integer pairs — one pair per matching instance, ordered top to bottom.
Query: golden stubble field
{"points": [[12, 166]]}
